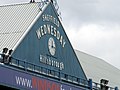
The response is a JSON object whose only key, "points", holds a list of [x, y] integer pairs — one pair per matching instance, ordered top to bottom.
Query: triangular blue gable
{"points": [[46, 44]]}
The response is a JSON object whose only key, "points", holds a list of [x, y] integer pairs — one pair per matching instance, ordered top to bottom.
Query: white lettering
{"points": [[50, 18], [45, 29], [49, 29], [42, 31], [54, 31], [38, 33], [58, 35], [61, 39], [63, 43], [47, 60], [23, 81], [62, 88]]}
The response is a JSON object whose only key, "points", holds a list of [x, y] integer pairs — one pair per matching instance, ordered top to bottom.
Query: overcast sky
{"points": [[93, 26]]}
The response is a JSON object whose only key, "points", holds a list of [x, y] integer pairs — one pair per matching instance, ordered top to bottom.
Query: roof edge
{"points": [[16, 4], [28, 29], [103, 60]]}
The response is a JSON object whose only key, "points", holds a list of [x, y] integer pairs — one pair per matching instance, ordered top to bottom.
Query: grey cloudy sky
{"points": [[93, 26]]}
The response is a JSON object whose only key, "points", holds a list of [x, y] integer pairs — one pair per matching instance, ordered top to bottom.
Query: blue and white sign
{"points": [[46, 44], [23, 80]]}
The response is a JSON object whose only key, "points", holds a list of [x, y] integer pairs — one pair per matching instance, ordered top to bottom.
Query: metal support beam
{"points": [[90, 83]]}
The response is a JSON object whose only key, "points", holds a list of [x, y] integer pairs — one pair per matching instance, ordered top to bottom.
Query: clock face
{"points": [[51, 46]]}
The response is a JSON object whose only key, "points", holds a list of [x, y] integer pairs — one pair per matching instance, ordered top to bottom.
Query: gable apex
{"points": [[46, 44]]}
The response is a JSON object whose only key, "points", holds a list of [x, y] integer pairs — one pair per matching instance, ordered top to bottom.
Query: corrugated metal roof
{"points": [[14, 21], [98, 69]]}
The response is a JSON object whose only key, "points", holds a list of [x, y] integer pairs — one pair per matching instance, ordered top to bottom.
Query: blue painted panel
{"points": [[34, 48], [24, 81]]}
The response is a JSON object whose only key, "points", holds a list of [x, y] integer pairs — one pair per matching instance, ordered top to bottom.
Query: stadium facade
{"points": [[36, 54]]}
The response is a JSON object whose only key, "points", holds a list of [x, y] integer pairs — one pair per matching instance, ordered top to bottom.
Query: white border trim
{"points": [[31, 25]]}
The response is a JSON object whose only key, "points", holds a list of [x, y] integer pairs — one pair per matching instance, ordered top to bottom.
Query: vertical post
{"points": [[32, 1], [52, 1], [25, 65], [90, 83], [116, 88]]}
